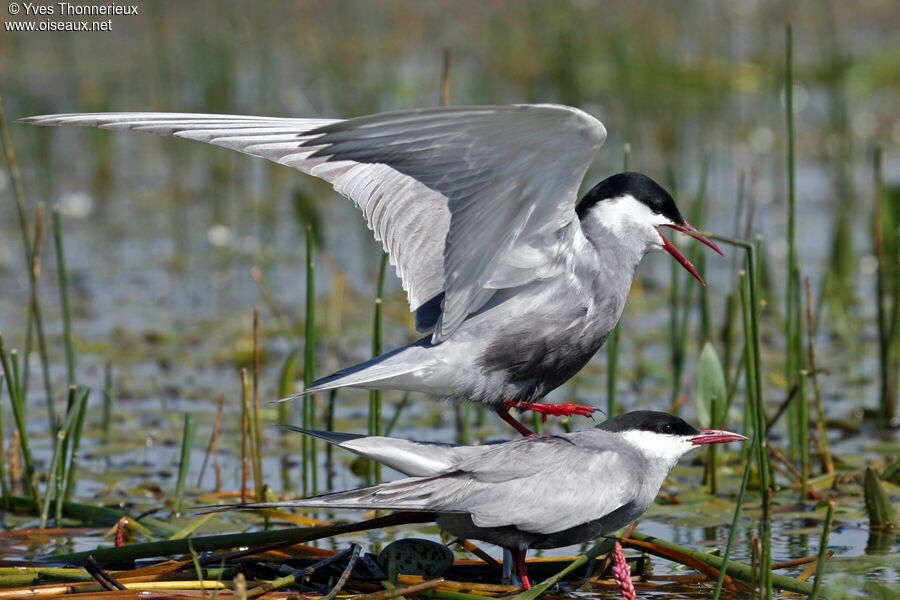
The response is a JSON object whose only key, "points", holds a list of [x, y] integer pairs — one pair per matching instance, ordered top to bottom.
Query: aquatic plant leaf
{"points": [[710, 383], [878, 503]]}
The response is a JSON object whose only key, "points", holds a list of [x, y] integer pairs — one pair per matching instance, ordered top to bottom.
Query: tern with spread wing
{"points": [[476, 206], [514, 494]]}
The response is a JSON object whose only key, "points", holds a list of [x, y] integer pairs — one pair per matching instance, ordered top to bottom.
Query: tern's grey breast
{"points": [[510, 536]]}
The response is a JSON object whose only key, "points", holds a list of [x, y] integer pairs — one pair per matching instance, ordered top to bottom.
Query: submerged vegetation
{"points": [[133, 355]]}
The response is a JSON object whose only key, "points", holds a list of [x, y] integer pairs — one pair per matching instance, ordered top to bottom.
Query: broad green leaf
{"points": [[710, 383]]}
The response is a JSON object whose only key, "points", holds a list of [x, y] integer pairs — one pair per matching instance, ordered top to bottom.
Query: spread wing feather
{"points": [[460, 197]]}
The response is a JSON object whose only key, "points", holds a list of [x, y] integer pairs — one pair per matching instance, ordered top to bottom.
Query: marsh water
{"points": [[161, 236]]}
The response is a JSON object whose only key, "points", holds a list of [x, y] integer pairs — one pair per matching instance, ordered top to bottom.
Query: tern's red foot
{"points": [[557, 410]]}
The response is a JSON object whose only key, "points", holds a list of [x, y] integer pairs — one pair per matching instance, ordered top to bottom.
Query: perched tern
{"points": [[476, 206], [515, 494]]}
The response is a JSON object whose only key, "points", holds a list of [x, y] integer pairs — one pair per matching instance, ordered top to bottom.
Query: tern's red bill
{"points": [[692, 231], [714, 436]]}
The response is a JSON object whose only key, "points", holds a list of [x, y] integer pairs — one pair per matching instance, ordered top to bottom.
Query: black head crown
{"points": [[640, 187], [649, 420]]}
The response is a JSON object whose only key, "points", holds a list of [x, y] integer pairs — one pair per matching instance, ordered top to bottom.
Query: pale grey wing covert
{"points": [[466, 200], [557, 484], [548, 497]]}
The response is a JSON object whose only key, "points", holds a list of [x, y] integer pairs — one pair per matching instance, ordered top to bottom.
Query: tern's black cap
{"points": [[640, 187], [649, 420]]}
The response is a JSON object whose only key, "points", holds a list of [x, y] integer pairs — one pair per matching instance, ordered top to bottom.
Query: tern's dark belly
{"points": [[537, 365], [510, 536]]}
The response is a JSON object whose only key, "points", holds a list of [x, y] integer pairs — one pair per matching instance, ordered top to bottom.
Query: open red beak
{"points": [[677, 255], [714, 436]]}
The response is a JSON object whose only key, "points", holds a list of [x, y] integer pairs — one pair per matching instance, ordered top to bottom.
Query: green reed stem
{"points": [[16, 177], [32, 252], [699, 254], [64, 294], [887, 296], [35, 317], [793, 327], [612, 343], [10, 363], [612, 369], [77, 399], [107, 399], [397, 410], [257, 421], [463, 421], [803, 434], [187, 442], [253, 444], [329, 448], [248, 449], [711, 449], [763, 459], [310, 462], [72, 465], [373, 469], [54, 478], [4, 487], [734, 521], [823, 551]]}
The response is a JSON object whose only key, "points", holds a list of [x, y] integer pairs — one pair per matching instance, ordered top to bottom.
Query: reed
{"points": [[887, 251], [32, 258], [64, 295], [681, 305], [750, 308], [35, 316], [612, 343], [794, 362], [11, 371], [286, 378], [106, 416], [396, 417], [256, 419], [78, 428], [246, 452], [310, 463], [184, 465], [373, 468], [4, 486], [55, 490], [738, 503], [823, 550]]}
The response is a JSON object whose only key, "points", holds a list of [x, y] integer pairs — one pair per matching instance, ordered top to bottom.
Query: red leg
{"points": [[557, 410], [504, 414], [521, 568]]}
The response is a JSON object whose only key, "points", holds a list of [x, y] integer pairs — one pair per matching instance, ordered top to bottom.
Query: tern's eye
{"points": [[667, 428]]}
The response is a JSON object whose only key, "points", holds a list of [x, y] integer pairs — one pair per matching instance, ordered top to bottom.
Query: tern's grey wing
{"points": [[510, 175], [409, 219], [419, 459], [540, 485], [544, 486], [411, 493]]}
